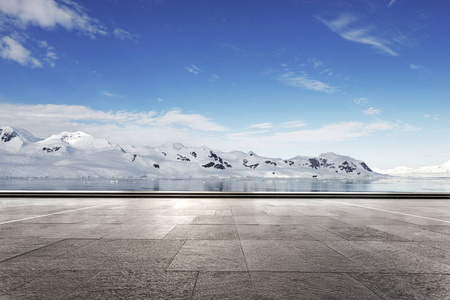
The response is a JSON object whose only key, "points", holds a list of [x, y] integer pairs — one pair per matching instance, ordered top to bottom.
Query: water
{"points": [[231, 185]]}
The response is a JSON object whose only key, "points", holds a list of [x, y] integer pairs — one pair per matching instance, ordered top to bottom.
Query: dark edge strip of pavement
{"points": [[190, 194]]}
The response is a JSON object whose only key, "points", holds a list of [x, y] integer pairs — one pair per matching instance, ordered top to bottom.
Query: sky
{"points": [[368, 79]]}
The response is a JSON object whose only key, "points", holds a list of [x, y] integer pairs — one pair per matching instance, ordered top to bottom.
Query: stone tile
{"points": [[202, 212], [223, 212], [57, 219], [109, 219], [163, 220], [224, 220], [245, 220], [294, 220], [358, 221], [445, 229], [146, 231], [203, 232], [272, 232], [362, 233], [412, 233], [321, 234], [10, 247], [59, 248], [111, 254], [210, 255], [300, 256], [383, 257], [12, 279], [52, 285], [137, 285], [223, 285], [280, 286], [407, 286]]}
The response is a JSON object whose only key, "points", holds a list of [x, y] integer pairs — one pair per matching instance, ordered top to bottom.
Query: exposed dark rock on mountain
{"points": [[50, 150], [183, 158], [269, 162], [290, 162], [347, 167]]}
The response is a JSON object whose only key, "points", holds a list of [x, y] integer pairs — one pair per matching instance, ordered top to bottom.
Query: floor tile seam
{"points": [[389, 211], [52, 214], [321, 226], [90, 242], [334, 250], [28, 252], [173, 258], [246, 264], [28, 282], [195, 285], [373, 289]]}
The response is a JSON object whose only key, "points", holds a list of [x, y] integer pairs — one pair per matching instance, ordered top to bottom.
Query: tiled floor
{"points": [[224, 249]]}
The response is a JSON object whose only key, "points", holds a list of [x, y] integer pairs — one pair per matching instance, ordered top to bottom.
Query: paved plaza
{"points": [[125, 248]]}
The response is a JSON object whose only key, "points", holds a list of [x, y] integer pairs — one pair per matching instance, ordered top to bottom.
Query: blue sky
{"points": [[367, 79]]}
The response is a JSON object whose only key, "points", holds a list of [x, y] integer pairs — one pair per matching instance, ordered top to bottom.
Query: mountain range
{"points": [[80, 155]]}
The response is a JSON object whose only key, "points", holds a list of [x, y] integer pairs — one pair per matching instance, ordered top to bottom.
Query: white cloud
{"points": [[49, 14], [344, 26], [124, 35], [10, 49], [193, 69], [301, 80], [159, 100], [361, 100], [371, 111], [262, 125], [127, 127]]}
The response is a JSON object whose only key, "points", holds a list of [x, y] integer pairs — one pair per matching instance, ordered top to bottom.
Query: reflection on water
{"points": [[219, 185]]}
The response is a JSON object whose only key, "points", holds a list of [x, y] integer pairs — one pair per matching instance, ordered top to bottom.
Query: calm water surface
{"points": [[230, 185]]}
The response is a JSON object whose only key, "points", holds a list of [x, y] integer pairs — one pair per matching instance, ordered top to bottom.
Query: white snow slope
{"points": [[79, 155], [428, 171]]}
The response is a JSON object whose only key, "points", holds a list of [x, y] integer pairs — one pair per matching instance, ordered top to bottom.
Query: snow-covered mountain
{"points": [[79, 155], [428, 171]]}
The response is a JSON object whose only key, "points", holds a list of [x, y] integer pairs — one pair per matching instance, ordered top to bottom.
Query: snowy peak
{"points": [[12, 139], [79, 140]]}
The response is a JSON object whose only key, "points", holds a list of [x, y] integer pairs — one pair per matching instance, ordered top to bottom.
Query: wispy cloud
{"points": [[391, 3], [49, 14], [346, 27], [124, 35], [10, 49], [238, 50], [316, 63], [418, 67], [193, 69], [214, 77], [302, 80], [109, 94], [360, 100], [371, 111], [293, 124], [262, 126], [336, 132]]}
